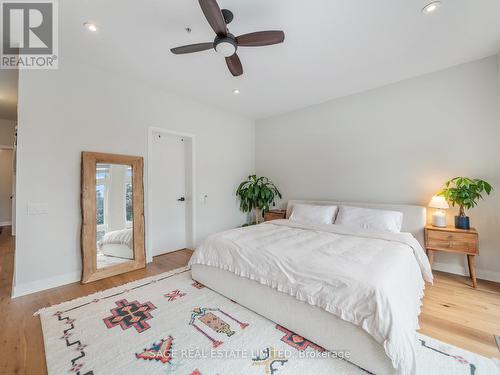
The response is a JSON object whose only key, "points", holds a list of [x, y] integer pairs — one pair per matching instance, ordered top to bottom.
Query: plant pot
{"points": [[462, 222]]}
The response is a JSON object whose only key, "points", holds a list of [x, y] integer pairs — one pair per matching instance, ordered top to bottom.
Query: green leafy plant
{"points": [[465, 192], [257, 193]]}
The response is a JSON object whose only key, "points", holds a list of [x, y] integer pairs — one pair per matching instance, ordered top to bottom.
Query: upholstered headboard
{"points": [[414, 217]]}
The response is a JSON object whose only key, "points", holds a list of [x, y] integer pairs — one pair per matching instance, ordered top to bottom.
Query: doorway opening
{"points": [[8, 145], [6, 187], [171, 192]]}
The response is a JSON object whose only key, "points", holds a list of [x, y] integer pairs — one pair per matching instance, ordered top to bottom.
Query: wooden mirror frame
{"points": [[90, 272]]}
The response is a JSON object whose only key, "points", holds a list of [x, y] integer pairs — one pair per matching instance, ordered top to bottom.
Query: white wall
{"points": [[76, 108], [396, 144]]}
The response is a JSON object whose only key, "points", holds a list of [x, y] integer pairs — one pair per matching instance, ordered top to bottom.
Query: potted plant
{"points": [[464, 192], [257, 193]]}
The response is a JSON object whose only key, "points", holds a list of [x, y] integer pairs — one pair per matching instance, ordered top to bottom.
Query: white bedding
{"points": [[117, 237], [372, 279]]}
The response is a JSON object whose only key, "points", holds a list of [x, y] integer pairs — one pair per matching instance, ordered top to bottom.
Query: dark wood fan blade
{"points": [[213, 14], [260, 38], [192, 48], [234, 65]]}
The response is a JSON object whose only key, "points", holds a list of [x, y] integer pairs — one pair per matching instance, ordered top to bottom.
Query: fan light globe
{"points": [[226, 49]]}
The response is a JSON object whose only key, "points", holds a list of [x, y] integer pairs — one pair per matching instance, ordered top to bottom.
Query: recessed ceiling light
{"points": [[431, 7], [90, 26], [236, 92]]}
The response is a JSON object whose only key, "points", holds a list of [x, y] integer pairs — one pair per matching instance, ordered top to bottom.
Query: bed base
{"points": [[311, 322]]}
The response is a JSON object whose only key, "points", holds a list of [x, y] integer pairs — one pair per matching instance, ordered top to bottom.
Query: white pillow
{"points": [[313, 214], [368, 218]]}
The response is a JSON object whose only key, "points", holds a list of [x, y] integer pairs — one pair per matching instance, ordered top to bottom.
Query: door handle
{"points": [[181, 199]]}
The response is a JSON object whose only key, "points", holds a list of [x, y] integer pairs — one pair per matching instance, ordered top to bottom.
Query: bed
{"points": [[115, 247], [351, 304]]}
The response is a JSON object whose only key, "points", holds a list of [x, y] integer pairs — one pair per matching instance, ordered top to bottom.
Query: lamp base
{"points": [[439, 220]]}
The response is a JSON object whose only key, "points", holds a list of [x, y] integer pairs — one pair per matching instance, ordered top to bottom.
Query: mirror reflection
{"points": [[114, 214]]}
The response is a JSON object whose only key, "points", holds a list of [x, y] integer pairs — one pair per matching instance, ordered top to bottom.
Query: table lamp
{"points": [[439, 216]]}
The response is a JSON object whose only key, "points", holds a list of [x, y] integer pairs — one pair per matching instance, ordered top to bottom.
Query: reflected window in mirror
{"points": [[129, 210]]}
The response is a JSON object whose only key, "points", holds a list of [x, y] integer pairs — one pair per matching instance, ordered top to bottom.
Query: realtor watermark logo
{"points": [[29, 34]]}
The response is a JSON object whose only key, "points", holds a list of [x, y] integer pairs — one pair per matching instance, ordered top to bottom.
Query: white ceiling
{"points": [[332, 48], [8, 94]]}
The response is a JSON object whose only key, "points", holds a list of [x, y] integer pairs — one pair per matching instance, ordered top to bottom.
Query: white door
{"points": [[168, 193]]}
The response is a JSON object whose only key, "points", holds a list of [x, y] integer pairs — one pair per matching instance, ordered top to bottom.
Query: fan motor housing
{"points": [[226, 46]]}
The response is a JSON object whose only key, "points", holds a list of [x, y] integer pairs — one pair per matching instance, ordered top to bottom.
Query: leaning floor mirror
{"points": [[112, 202]]}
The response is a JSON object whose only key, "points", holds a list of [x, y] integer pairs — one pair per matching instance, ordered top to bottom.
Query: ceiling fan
{"points": [[226, 43]]}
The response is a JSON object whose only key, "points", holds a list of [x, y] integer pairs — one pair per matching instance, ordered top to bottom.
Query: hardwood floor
{"points": [[452, 312], [458, 314], [21, 333]]}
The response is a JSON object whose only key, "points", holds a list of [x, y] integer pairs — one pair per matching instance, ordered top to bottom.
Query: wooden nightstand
{"points": [[274, 215], [453, 240]]}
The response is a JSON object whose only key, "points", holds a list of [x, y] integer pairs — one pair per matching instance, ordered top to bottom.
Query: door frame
{"points": [[191, 168]]}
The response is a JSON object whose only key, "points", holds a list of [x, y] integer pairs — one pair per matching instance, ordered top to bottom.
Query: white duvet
{"points": [[117, 237], [372, 279]]}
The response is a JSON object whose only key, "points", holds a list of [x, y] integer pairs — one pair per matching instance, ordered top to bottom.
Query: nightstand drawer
{"points": [[461, 242], [461, 246]]}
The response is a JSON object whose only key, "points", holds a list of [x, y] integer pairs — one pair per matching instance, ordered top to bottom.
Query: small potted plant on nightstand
{"points": [[257, 193], [465, 193]]}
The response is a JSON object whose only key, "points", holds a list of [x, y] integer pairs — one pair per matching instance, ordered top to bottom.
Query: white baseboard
{"points": [[5, 223], [459, 270], [39, 285]]}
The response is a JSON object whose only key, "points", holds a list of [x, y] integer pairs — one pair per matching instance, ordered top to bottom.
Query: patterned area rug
{"points": [[169, 324]]}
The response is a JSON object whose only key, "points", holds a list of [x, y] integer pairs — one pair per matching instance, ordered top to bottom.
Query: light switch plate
{"points": [[38, 208]]}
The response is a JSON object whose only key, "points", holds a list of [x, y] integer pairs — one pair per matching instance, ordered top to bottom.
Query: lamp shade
{"points": [[439, 202]]}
